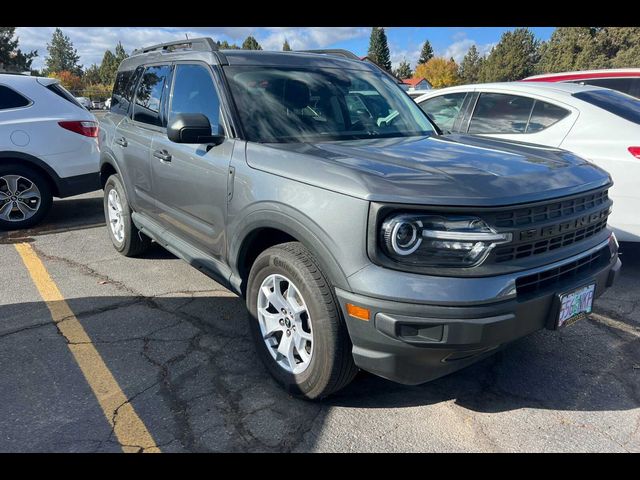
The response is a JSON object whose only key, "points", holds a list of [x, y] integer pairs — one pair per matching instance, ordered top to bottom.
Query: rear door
{"points": [[521, 117], [137, 131], [190, 180]]}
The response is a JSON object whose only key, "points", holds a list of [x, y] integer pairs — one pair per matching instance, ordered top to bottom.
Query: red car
{"points": [[625, 80]]}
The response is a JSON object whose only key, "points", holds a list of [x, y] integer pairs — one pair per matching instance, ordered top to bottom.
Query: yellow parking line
{"points": [[129, 429]]}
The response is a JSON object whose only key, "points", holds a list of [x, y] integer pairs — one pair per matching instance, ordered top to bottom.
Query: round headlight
{"points": [[405, 238]]}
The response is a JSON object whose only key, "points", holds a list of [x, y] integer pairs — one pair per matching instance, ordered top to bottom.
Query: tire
{"points": [[30, 199], [131, 242], [330, 366]]}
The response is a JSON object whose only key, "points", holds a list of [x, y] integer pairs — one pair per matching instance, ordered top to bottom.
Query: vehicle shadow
{"points": [[67, 214], [190, 368]]}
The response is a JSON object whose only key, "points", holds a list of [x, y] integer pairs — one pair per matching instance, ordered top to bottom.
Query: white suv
{"points": [[48, 148]]}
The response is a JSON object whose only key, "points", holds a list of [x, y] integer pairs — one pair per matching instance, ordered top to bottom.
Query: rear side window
{"points": [[630, 86], [194, 92], [63, 93], [149, 95], [9, 98], [119, 99], [614, 102], [444, 109], [501, 113], [544, 115]]}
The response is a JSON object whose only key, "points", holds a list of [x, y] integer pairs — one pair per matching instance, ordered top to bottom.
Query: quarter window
{"points": [[195, 92], [149, 95], [9, 98], [119, 99], [444, 109], [544, 115]]}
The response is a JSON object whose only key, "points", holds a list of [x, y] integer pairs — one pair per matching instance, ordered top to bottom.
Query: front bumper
{"points": [[412, 343]]}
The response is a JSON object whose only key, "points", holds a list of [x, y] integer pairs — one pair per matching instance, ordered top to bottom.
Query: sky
{"points": [[404, 42]]}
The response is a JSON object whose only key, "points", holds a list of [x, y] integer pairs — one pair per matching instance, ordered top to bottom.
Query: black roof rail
{"points": [[204, 44], [335, 51], [339, 52]]}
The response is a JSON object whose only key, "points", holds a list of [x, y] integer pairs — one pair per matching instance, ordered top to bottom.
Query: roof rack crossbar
{"points": [[203, 44]]}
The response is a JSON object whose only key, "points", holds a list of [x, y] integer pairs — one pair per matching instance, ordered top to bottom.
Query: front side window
{"points": [[194, 92], [149, 95], [9, 98], [614, 102], [278, 104], [444, 109], [501, 113]]}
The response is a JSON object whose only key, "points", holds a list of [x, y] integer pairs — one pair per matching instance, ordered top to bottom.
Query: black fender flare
{"points": [[293, 223]]}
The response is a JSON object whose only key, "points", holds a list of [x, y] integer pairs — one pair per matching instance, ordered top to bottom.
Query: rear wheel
{"points": [[25, 197], [125, 236], [296, 323]]}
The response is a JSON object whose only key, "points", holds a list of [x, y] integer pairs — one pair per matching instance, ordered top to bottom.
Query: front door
{"points": [[190, 180]]}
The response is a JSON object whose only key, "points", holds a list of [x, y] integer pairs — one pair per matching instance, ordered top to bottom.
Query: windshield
{"points": [[303, 105]]}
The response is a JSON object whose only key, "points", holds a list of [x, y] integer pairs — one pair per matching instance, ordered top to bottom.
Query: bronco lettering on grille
{"points": [[559, 228]]}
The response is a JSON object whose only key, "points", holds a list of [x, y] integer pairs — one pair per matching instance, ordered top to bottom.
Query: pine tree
{"points": [[251, 43], [285, 46], [379, 49], [426, 53], [121, 54], [61, 55], [11, 57], [513, 58], [471, 65], [108, 68], [404, 70], [92, 75]]}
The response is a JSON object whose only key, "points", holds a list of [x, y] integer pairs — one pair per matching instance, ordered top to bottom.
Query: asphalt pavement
{"points": [[177, 346]]}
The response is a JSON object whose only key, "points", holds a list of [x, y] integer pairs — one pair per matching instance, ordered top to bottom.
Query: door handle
{"points": [[121, 141], [162, 155]]}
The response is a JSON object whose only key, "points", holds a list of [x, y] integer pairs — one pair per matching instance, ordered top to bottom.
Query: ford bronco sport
{"points": [[313, 186]]}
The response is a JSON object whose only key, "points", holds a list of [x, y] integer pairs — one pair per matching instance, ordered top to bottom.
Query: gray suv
{"points": [[313, 186]]}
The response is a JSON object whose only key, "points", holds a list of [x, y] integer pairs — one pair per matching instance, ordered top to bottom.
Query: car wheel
{"points": [[25, 197], [125, 236], [296, 323]]}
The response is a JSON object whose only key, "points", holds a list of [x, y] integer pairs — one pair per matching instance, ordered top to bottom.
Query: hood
{"points": [[437, 170]]}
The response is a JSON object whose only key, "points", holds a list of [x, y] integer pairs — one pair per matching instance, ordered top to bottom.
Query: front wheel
{"points": [[125, 236], [296, 323]]}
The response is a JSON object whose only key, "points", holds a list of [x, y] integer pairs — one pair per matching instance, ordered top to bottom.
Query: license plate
{"points": [[575, 305]]}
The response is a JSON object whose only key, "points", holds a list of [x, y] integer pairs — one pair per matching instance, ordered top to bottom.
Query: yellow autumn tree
{"points": [[439, 71]]}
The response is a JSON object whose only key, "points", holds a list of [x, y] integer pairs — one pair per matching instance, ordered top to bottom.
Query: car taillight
{"points": [[88, 129], [635, 151]]}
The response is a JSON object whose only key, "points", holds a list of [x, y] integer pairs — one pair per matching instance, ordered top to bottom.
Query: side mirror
{"points": [[192, 128]]}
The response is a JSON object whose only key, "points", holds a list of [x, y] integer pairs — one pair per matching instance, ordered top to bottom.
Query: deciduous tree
{"points": [[439, 71]]}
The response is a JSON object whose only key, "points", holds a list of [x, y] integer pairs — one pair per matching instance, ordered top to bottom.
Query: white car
{"points": [[85, 102], [598, 124], [48, 148]]}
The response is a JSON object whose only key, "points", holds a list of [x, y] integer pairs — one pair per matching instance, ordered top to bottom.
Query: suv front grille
{"points": [[551, 211], [543, 228], [546, 279]]}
